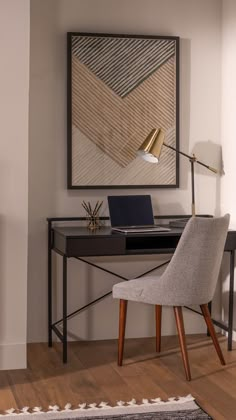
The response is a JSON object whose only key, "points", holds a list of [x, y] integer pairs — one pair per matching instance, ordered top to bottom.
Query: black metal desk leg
{"points": [[49, 285], [231, 300], [210, 308], [64, 322]]}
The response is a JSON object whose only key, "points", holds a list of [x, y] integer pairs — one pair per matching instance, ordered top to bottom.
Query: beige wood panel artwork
{"points": [[121, 88]]}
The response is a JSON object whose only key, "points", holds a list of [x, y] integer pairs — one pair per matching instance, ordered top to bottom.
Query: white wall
{"points": [[198, 23], [14, 98], [228, 129], [228, 132]]}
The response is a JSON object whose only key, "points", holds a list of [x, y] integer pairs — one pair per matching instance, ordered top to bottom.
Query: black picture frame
{"points": [[119, 87]]}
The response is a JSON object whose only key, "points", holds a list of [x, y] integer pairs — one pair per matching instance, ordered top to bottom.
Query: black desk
{"points": [[79, 242]]}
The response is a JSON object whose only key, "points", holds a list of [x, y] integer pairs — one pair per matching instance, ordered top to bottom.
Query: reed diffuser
{"points": [[92, 214]]}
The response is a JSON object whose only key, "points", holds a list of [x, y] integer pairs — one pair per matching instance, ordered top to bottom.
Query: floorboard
{"points": [[92, 375]]}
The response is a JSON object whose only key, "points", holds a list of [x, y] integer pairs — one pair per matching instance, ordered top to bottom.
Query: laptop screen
{"points": [[130, 210]]}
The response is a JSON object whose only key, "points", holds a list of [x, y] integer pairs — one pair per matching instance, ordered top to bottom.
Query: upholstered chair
{"points": [[189, 279]]}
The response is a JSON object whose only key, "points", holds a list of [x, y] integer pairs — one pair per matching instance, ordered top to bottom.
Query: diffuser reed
{"points": [[92, 214]]}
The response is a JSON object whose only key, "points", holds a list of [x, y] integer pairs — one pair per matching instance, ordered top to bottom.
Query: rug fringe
{"points": [[86, 407]]}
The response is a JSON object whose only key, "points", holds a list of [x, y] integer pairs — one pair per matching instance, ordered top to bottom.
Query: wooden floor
{"points": [[92, 375]]}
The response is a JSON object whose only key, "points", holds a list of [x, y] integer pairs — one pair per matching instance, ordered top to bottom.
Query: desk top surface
{"points": [[78, 231], [80, 241]]}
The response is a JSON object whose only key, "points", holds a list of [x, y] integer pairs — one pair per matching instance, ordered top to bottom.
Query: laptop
{"points": [[132, 214]]}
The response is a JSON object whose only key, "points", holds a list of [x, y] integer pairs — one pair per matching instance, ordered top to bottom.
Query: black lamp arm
{"points": [[192, 158]]}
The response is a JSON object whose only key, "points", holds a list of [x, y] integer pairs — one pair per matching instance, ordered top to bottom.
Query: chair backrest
{"points": [[192, 274]]}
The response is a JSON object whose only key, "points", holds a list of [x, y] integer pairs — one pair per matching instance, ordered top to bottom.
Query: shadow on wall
{"points": [[184, 108], [46, 137], [211, 154], [174, 208], [2, 285]]}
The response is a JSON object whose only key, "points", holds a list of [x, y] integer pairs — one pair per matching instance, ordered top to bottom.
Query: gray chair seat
{"points": [[137, 290], [156, 291]]}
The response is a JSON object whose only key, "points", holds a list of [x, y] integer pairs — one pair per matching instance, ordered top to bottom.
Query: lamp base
{"points": [[181, 223]]}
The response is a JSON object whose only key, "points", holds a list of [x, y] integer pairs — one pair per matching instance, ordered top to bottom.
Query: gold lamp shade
{"points": [[150, 149]]}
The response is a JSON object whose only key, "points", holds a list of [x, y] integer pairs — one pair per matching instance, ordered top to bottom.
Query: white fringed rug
{"points": [[184, 408]]}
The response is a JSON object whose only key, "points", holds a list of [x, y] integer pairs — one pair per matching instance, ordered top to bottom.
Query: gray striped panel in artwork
{"points": [[122, 63]]}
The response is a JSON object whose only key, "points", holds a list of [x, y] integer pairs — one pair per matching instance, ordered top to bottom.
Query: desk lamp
{"points": [[150, 150]]}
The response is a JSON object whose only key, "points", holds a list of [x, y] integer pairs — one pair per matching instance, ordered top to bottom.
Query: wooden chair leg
{"points": [[122, 323], [158, 327], [211, 329], [182, 339]]}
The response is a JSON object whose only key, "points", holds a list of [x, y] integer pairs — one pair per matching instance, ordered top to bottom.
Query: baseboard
{"points": [[226, 334], [13, 356]]}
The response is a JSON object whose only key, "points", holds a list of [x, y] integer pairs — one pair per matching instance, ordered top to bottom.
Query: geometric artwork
{"points": [[119, 88]]}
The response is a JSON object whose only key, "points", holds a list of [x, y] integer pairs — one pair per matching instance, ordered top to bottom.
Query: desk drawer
{"points": [[81, 247]]}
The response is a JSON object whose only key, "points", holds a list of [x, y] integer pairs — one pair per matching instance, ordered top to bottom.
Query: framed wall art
{"points": [[119, 88]]}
